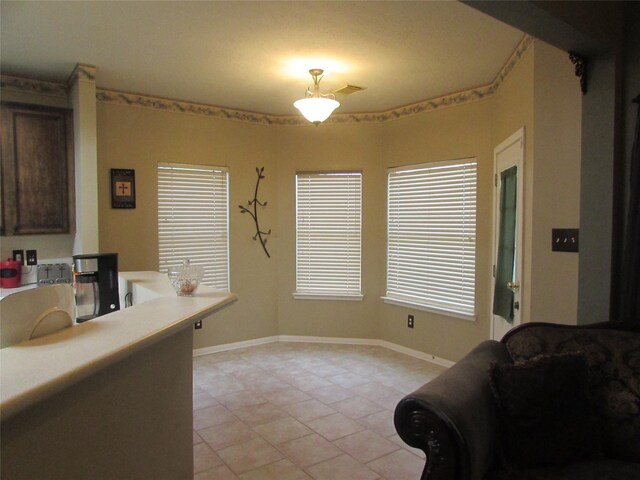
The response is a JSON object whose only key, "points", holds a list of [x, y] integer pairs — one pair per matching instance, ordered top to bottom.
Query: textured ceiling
{"points": [[255, 56]]}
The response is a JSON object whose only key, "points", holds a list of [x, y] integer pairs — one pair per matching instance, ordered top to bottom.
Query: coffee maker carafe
{"points": [[95, 279]]}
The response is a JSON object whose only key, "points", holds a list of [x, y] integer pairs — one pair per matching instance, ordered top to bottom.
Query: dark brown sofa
{"points": [[469, 421]]}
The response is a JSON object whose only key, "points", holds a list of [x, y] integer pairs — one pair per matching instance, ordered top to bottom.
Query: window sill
{"points": [[321, 296], [424, 308]]}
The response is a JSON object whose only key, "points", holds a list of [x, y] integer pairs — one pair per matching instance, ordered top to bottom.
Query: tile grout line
{"points": [[283, 355]]}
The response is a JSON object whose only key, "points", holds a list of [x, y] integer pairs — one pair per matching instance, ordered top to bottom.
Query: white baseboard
{"points": [[336, 340], [234, 346], [417, 354]]}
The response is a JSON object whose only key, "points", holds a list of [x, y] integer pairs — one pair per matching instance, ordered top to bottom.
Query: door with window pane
{"points": [[507, 298]]}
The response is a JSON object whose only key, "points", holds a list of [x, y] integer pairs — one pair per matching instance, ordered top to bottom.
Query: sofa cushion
{"points": [[614, 365], [545, 413], [606, 469]]}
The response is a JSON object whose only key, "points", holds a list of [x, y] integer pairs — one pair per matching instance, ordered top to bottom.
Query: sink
{"points": [[35, 313]]}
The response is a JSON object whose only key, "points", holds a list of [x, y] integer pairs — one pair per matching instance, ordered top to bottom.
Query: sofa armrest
{"points": [[452, 418]]}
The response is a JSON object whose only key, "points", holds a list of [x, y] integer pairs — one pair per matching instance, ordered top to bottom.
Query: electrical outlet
{"points": [[18, 256], [32, 257], [410, 321], [197, 325]]}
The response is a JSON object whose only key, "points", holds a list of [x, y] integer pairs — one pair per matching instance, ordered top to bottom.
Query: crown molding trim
{"points": [[82, 72], [88, 73]]}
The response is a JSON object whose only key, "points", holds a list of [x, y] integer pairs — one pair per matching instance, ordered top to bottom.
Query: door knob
{"points": [[513, 286]]}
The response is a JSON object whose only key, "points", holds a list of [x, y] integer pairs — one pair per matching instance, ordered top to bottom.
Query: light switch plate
{"points": [[565, 239]]}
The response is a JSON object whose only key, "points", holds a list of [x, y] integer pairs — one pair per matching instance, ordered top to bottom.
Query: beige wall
{"points": [[543, 95], [82, 98], [456, 132], [138, 138], [332, 147], [556, 179]]}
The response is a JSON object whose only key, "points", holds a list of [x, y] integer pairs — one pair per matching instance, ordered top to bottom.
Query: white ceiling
{"points": [[255, 56]]}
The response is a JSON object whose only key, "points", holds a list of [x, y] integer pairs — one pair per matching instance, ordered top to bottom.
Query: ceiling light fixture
{"points": [[316, 107]]}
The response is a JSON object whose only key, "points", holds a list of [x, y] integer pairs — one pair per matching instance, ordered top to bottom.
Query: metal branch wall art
{"points": [[260, 235]]}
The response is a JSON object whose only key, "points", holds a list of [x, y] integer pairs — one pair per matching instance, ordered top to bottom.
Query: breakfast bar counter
{"points": [[38, 368], [118, 382]]}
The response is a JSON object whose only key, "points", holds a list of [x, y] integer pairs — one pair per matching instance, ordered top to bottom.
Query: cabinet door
{"points": [[37, 170]]}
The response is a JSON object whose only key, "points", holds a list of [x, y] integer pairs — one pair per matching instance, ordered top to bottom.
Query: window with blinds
{"points": [[193, 219], [328, 235], [431, 250]]}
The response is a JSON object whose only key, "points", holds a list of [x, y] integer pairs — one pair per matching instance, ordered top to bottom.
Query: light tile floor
{"points": [[293, 411]]}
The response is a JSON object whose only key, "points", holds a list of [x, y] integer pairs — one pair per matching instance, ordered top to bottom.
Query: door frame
{"points": [[518, 136]]}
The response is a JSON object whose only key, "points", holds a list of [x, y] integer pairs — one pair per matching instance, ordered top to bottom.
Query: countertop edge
{"points": [[15, 402]]}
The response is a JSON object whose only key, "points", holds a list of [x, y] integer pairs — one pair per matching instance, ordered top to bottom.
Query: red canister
{"points": [[10, 273]]}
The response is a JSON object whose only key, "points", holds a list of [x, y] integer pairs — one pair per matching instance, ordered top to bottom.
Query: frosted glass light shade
{"points": [[316, 110]]}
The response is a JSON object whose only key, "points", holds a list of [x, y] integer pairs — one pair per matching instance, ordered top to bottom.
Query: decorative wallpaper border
{"points": [[522, 47], [88, 72], [29, 85], [43, 87], [167, 105], [414, 108]]}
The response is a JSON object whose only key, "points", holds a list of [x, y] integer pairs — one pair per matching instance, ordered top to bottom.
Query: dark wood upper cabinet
{"points": [[37, 170]]}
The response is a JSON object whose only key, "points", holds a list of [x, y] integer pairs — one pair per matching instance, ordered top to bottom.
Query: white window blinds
{"points": [[193, 219], [431, 222], [328, 234]]}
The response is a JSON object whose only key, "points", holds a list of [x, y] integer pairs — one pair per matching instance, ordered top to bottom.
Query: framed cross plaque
{"points": [[123, 188]]}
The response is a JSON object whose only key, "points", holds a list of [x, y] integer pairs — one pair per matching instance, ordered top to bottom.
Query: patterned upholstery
{"points": [[614, 367], [455, 421], [596, 470]]}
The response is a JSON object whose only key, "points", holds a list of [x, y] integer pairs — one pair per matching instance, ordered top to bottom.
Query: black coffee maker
{"points": [[95, 280]]}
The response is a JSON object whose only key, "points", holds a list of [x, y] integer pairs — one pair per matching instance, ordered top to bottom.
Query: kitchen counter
{"points": [[8, 291], [37, 369]]}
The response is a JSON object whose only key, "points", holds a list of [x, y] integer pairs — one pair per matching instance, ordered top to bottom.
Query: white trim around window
{"points": [[193, 219], [328, 235], [431, 237]]}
